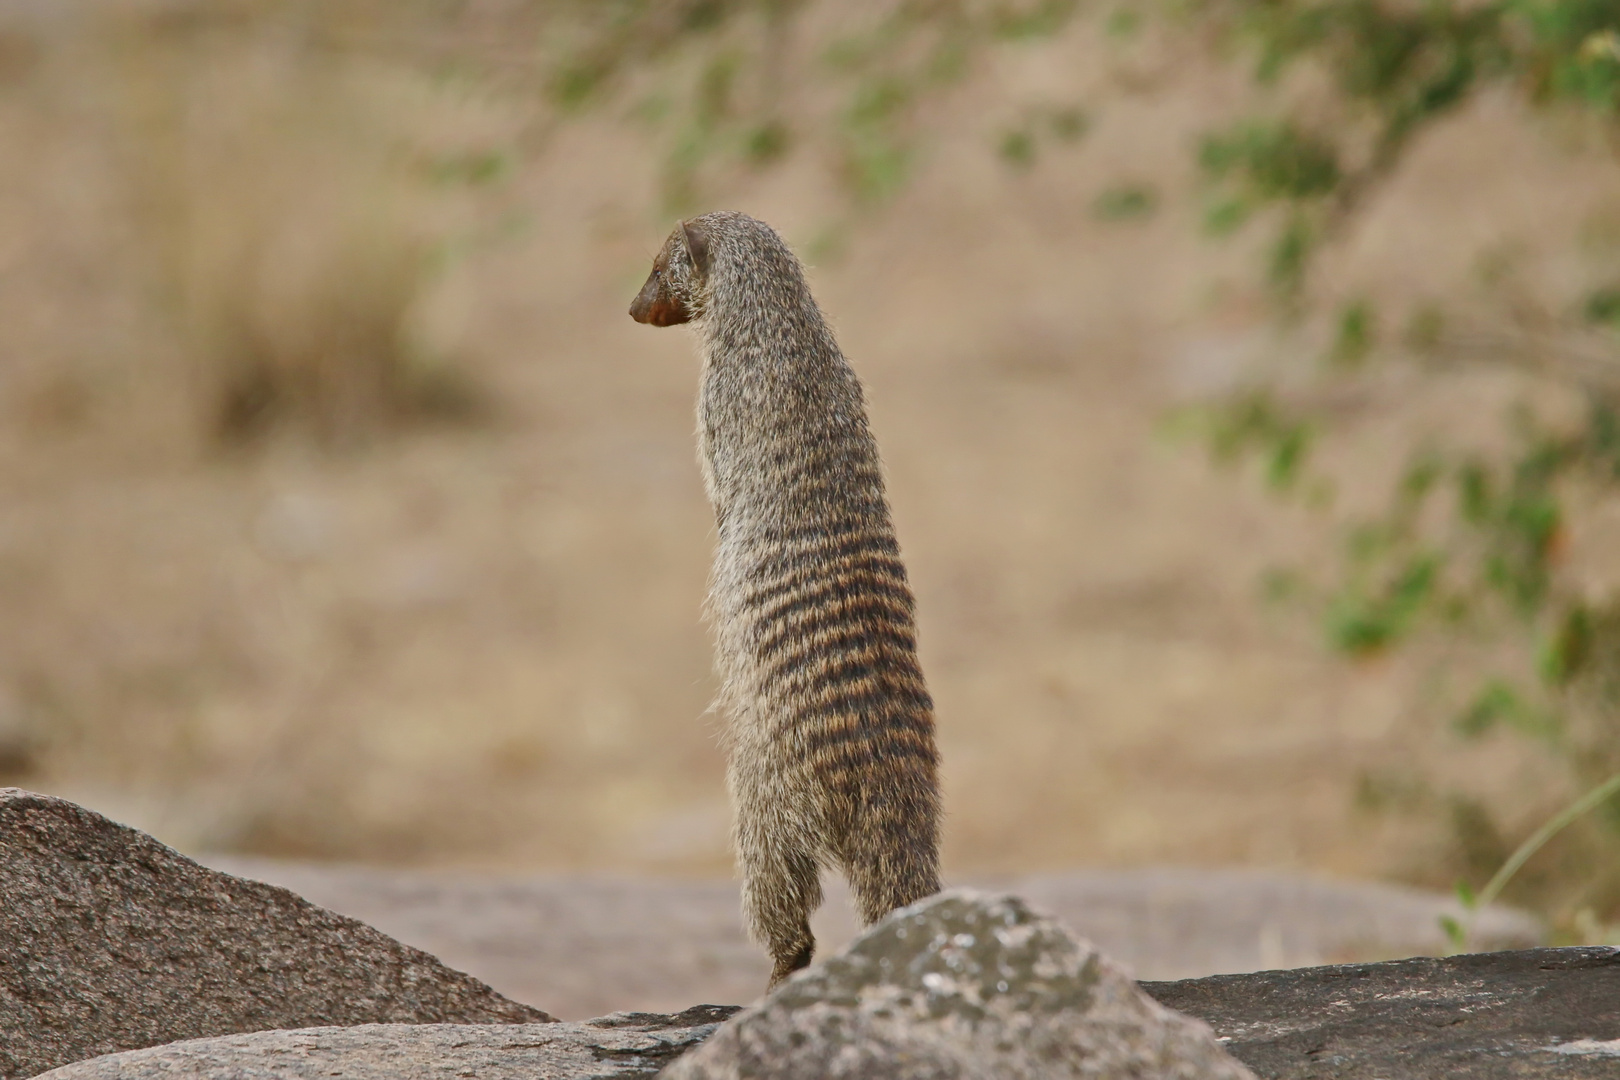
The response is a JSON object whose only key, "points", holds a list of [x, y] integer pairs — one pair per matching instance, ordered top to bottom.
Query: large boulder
{"points": [[111, 941], [963, 984], [1536, 1013], [615, 1047]]}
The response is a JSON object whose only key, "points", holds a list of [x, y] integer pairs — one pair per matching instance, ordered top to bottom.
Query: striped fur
{"points": [[829, 727]]}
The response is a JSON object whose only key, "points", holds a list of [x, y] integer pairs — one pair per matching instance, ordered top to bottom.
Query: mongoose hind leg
{"points": [[891, 861], [781, 887], [780, 891], [787, 965]]}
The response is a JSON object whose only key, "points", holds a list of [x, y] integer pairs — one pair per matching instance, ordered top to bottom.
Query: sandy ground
{"points": [[480, 645]]}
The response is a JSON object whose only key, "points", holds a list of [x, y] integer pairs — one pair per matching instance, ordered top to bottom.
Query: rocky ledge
{"points": [[120, 957], [1533, 1013]]}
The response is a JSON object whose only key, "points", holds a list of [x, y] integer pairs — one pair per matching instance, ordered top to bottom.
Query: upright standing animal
{"points": [[829, 728]]}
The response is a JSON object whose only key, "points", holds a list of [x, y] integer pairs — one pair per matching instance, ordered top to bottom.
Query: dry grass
{"points": [[480, 643]]}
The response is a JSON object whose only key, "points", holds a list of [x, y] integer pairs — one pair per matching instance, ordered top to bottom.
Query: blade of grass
{"points": [[1551, 827]]}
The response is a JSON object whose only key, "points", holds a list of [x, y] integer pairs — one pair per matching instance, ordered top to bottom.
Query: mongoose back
{"points": [[829, 728]]}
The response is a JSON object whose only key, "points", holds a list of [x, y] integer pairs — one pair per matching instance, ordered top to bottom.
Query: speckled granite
{"points": [[111, 941], [963, 984]]}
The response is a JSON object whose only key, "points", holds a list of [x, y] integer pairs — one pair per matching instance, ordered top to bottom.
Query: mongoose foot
{"points": [[787, 965]]}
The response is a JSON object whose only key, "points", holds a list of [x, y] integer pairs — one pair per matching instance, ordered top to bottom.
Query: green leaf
{"points": [[1037, 20], [1122, 23], [1068, 124], [767, 143], [1017, 148], [1275, 160], [1127, 202], [1226, 216], [1289, 253], [1603, 306], [1357, 327], [1287, 458], [1474, 495], [1363, 621], [1565, 653], [1493, 703], [1499, 703]]}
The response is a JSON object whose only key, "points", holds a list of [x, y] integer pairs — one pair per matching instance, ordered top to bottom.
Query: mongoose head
{"points": [[674, 292]]}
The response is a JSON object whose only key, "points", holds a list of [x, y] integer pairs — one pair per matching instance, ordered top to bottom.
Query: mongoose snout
{"points": [[657, 303], [828, 725]]}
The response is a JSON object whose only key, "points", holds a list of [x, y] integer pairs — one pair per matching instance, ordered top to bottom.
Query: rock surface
{"points": [[111, 941], [111, 944], [584, 946], [963, 984], [1544, 1013], [1552, 1013], [614, 1047]]}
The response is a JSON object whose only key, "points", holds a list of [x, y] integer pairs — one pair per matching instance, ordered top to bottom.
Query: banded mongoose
{"points": [[828, 726]]}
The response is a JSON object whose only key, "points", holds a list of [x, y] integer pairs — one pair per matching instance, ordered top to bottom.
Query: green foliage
{"points": [[1041, 19], [1123, 22], [1575, 49], [1404, 64], [1396, 68], [724, 107], [768, 142], [1019, 146], [877, 154], [1272, 161], [1256, 164], [1126, 202], [1285, 267], [1603, 306], [1356, 334], [1254, 424], [1468, 548], [1367, 617], [1499, 703], [1604, 794]]}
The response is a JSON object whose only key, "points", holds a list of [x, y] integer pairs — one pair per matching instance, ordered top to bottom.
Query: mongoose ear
{"points": [[697, 244]]}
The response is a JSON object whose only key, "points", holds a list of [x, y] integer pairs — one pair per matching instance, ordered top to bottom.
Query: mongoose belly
{"points": [[831, 668]]}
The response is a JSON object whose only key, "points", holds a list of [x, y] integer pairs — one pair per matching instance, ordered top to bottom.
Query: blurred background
{"points": [[1245, 372]]}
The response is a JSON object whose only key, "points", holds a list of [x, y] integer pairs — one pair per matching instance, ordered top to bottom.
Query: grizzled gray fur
{"points": [[829, 726]]}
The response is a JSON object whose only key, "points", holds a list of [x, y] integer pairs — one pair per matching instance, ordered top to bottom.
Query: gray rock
{"points": [[111, 941], [963, 984], [1543, 1013], [1490, 1016], [620, 1046]]}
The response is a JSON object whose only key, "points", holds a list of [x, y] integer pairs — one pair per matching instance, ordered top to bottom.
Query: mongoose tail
{"points": [[829, 727]]}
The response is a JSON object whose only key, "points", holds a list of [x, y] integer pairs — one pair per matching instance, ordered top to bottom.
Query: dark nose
{"points": [[641, 307]]}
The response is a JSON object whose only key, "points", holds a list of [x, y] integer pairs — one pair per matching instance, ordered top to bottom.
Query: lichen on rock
{"points": [[963, 984]]}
